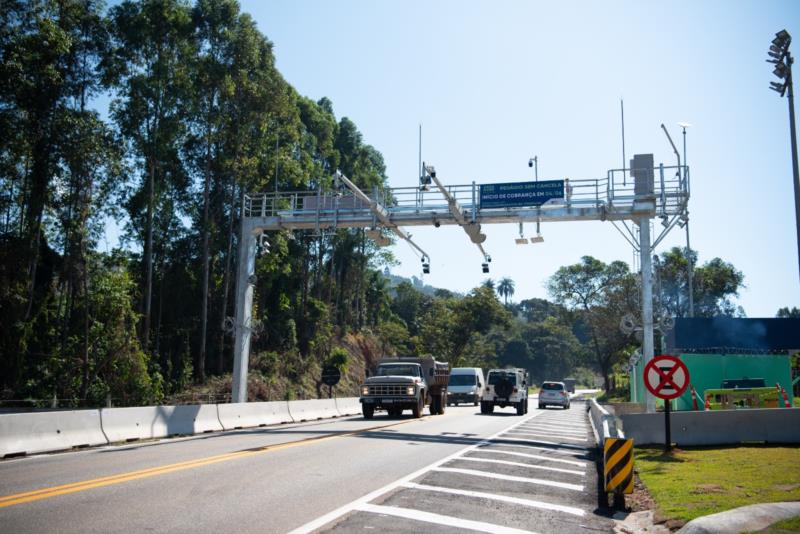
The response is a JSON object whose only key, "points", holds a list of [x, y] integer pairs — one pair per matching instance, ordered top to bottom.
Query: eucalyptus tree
{"points": [[150, 72]]}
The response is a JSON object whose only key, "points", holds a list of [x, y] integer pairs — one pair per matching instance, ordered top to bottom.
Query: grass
{"points": [[691, 483], [788, 526]]}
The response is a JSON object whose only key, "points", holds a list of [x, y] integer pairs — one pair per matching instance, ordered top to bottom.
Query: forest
{"points": [[158, 116]]}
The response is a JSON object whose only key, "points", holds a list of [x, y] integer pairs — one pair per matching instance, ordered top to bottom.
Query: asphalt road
{"points": [[455, 472]]}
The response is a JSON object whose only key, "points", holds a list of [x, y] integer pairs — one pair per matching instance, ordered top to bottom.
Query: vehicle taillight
{"points": [[563, 393]]}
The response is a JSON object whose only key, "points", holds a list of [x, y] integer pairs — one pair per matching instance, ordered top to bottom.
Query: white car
{"points": [[506, 387], [554, 394]]}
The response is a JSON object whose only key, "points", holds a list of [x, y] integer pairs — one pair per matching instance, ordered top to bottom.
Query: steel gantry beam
{"points": [[613, 198]]}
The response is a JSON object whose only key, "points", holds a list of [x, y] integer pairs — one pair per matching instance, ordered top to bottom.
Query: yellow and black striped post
{"points": [[618, 465]]}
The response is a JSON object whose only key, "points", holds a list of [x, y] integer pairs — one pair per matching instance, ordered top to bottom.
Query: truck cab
{"points": [[405, 384]]}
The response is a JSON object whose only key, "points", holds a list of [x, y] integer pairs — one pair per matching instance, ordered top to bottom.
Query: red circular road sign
{"points": [[666, 377]]}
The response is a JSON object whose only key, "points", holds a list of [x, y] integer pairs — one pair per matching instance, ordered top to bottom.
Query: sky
{"points": [[496, 83]]}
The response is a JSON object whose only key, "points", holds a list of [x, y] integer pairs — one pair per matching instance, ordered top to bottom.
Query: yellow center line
{"points": [[46, 493]]}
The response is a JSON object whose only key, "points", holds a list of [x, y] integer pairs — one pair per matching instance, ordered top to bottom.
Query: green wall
{"points": [[707, 371]]}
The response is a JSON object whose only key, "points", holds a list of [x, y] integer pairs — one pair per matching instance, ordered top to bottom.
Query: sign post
{"points": [[667, 378]]}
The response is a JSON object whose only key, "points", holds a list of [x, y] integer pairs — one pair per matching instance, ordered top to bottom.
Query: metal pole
{"points": [[536, 167], [795, 176], [690, 269], [647, 300], [244, 311], [667, 433]]}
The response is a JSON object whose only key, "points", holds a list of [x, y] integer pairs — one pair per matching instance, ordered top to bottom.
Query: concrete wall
{"points": [[727, 427], [29, 433]]}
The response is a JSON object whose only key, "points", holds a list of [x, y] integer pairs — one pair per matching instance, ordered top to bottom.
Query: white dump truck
{"points": [[405, 384]]}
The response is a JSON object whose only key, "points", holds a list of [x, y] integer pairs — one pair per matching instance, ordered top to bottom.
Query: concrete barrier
{"points": [[348, 406], [310, 410], [253, 414], [150, 422], [717, 427], [30, 433]]}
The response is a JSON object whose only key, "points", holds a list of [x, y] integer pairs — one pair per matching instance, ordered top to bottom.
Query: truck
{"points": [[405, 384]]}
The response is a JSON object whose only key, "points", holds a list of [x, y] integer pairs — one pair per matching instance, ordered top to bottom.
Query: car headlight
{"points": [[365, 390], [410, 390]]}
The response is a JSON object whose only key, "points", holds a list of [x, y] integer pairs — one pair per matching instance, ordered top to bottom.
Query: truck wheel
{"points": [[442, 405], [526, 405], [434, 407], [520, 407], [368, 411], [416, 411]]}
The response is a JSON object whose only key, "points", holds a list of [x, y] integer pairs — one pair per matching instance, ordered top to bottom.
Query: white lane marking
{"points": [[574, 422], [573, 429], [554, 430], [547, 435], [543, 442], [529, 447], [534, 456], [520, 464], [512, 478], [502, 498], [335, 514], [439, 519]]}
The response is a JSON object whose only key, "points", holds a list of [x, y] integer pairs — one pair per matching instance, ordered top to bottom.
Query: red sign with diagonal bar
{"points": [[666, 377]]}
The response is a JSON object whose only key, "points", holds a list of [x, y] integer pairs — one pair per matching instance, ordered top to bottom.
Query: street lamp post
{"points": [[782, 59]]}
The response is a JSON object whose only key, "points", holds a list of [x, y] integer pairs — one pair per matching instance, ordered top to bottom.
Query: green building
{"points": [[728, 352]]}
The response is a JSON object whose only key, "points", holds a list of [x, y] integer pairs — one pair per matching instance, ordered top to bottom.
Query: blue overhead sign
{"points": [[520, 194]]}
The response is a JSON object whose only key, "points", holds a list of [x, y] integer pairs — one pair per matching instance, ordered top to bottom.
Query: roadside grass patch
{"points": [[689, 483], [787, 526]]}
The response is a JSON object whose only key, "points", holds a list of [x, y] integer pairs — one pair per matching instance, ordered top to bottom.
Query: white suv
{"points": [[506, 387]]}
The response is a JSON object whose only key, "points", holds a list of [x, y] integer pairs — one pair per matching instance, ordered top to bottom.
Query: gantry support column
{"points": [[245, 279], [647, 301]]}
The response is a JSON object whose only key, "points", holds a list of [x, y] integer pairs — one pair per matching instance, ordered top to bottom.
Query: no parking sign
{"points": [[666, 377]]}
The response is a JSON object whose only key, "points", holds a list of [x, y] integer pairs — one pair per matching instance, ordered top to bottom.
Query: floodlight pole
{"points": [[796, 178]]}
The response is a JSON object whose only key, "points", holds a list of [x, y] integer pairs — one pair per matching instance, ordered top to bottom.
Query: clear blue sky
{"points": [[495, 83]]}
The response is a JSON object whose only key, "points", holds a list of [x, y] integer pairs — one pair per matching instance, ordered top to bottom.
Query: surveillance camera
{"points": [[530, 162], [437, 224]]}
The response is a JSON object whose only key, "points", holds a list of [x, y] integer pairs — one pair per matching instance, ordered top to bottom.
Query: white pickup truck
{"points": [[405, 384]]}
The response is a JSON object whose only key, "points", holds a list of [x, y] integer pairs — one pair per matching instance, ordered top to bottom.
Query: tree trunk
{"points": [[148, 258], [201, 358]]}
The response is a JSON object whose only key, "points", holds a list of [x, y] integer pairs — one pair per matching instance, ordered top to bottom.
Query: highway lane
{"points": [[261, 480]]}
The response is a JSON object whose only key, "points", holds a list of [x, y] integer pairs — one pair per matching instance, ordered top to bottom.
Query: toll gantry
{"points": [[628, 198]]}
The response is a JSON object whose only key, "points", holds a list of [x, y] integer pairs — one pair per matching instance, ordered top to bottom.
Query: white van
{"points": [[466, 385]]}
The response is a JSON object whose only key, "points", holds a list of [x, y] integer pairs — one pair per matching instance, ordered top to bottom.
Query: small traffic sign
{"points": [[331, 375], [666, 377]]}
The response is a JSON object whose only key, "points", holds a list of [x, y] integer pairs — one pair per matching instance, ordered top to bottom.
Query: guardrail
{"points": [[604, 424], [30, 433]]}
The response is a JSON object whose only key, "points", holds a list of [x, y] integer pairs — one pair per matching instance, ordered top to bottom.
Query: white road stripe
{"points": [[565, 428], [572, 433], [547, 435], [520, 440], [529, 447], [534, 456], [520, 464], [484, 474], [502, 498], [342, 510], [439, 519]]}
